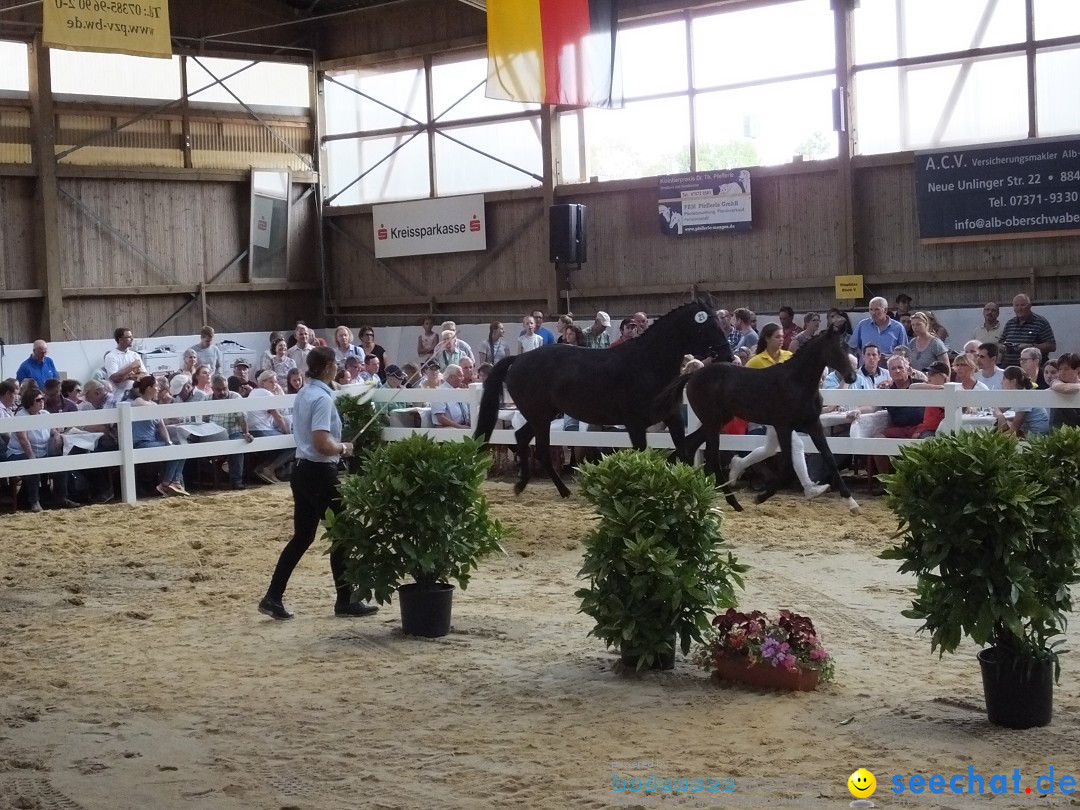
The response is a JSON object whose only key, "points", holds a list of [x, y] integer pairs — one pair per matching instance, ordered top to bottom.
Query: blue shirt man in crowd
{"points": [[879, 329], [38, 366]]}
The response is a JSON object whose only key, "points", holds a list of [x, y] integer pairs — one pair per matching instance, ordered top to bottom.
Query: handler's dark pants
{"points": [[314, 488]]}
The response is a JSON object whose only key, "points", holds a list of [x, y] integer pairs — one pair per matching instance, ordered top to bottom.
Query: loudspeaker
{"points": [[566, 237]]}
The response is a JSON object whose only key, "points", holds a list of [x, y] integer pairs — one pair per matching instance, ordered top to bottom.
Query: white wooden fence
{"points": [[952, 398]]}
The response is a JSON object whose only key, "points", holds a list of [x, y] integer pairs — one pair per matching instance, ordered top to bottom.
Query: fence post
{"points": [[953, 410], [127, 452]]}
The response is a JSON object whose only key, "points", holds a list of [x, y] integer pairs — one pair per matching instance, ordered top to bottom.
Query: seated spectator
{"points": [[811, 324], [744, 325], [628, 330], [427, 340], [924, 346], [267, 357], [280, 362], [189, 363], [1031, 364], [38, 366], [468, 371], [482, 371], [1050, 372], [370, 374], [412, 374], [937, 374], [989, 374], [870, 375], [432, 377], [343, 378], [395, 378], [201, 381], [239, 381], [294, 381], [833, 381], [1067, 382], [72, 390], [182, 390], [9, 394], [54, 401], [452, 414], [904, 420], [1026, 421], [270, 422], [235, 425], [154, 433], [38, 443], [99, 478]]}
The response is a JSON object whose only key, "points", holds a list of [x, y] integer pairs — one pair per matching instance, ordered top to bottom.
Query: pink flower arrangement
{"points": [[790, 642]]}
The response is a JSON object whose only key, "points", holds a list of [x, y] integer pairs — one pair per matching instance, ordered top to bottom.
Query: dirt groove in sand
{"points": [[136, 672]]}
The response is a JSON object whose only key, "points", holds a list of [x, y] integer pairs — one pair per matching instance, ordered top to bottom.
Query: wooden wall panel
{"points": [[16, 234], [20, 322]]}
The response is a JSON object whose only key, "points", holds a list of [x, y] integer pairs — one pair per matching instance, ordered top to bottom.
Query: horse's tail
{"points": [[668, 400], [489, 402]]}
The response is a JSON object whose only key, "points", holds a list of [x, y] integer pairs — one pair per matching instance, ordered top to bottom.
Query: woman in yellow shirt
{"points": [[770, 353]]}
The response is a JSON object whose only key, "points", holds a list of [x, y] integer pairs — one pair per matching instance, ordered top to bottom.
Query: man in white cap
{"points": [[596, 336]]}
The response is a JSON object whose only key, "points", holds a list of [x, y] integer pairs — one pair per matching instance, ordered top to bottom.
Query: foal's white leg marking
{"points": [[738, 464], [852, 506]]}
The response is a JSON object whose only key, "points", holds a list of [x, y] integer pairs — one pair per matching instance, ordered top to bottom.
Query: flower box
{"points": [[742, 670]]}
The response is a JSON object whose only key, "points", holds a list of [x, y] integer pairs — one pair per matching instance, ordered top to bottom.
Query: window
{"points": [[14, 73], [113, 74], [265, 84], [1058, 91], [379, 129]]}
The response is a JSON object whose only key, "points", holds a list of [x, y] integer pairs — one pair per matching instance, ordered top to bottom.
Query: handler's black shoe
{"points": [[274, 608], [355, 609]]}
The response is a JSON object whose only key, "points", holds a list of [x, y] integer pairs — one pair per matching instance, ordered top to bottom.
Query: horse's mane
{"points": [[665, 321]]}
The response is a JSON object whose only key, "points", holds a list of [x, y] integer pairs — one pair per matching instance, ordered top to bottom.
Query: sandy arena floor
{"points": [[135, 672]]}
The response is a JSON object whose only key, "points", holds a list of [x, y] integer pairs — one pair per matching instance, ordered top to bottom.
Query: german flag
{"points": [[553, 52]]}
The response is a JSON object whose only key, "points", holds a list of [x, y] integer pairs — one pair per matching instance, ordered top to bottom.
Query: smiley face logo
{"points": [[862, 784]]}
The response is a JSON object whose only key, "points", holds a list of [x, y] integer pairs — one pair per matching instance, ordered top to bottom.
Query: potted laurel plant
{"points": [[361, 424], [417, 512], [990, 527], [654, 561]]}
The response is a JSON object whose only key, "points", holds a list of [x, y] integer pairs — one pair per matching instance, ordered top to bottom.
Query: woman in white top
{"points": [[427, 340], [529, 340], [343, 346], [494, 348], [189, 363], [281, 364], [432, 377], [201, 381], [268, 423], [37, 443]]}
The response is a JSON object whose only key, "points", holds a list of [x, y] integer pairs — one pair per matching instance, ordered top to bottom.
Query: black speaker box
{"points": [[566, 240]]}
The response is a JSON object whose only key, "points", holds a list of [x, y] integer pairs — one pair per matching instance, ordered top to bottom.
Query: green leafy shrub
{"points": [[360, 418], [417, 511], [990, 526], [654, 561]]}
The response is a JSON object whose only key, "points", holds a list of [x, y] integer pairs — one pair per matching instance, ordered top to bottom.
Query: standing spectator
{"points": [[903, 305], [642, 321], [839, 321], [811, 323], [787, 324], [744, 325], [560, 327], [992, 327], [539, 329], [878, 329], [937, 329], [1024, 330], [573, 335], [293, 336], [596, 336], [734, 336], [529, 339], [427, 340], [368, 344], [461, 344], [343, 346], [494, 348], [925, 348], [300, 349], [450, 351], [207, 353], [122, 364], [38, 366], [201, 381], [1067, 382], [235, 425], [317, 427], [153, 433]]}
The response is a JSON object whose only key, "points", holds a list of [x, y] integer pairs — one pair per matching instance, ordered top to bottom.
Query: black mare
{"points": [[616, 386], [785, 396]]}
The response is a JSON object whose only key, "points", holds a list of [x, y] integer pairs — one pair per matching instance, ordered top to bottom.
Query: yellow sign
{"points": [[108, 26], [848, 287]]}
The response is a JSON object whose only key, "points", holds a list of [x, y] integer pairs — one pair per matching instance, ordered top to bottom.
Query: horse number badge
{"points": [[701, 316]]}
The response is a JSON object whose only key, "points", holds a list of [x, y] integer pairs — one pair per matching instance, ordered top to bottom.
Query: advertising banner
{"points": [[108, 26], [699, 202], [443, 225]]}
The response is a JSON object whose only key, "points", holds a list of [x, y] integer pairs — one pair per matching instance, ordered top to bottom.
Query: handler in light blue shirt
{"points": [[879, 329], [314, 410]]}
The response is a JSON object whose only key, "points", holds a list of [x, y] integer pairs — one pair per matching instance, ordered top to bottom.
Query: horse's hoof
{"points": [[518, 487], [734, 504], [852, 506]]}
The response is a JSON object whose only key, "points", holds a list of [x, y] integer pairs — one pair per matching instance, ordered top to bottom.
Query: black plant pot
{"points": [[425, 611], [662, 661], [1019, 696]]}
